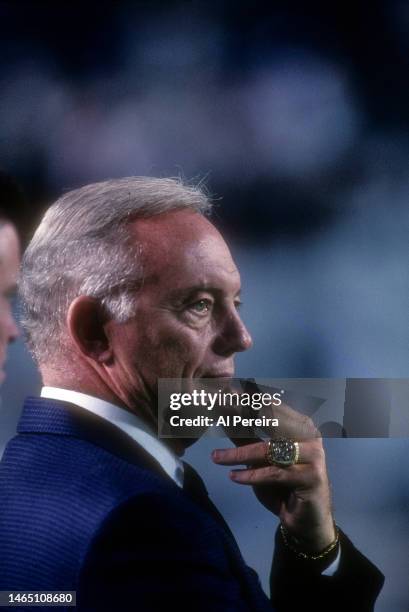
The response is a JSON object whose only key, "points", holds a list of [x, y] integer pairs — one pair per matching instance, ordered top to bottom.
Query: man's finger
{"points": [[293, 424], [256, 454], [296, 476]]}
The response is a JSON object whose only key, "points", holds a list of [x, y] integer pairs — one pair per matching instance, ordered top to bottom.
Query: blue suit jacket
{"points": [[84, 508]]}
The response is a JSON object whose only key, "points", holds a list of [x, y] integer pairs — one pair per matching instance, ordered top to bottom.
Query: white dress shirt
{"points": [[128, 422], [134, 427]]}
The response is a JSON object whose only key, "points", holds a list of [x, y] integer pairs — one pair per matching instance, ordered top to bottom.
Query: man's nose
{"points": [[234, 336]]}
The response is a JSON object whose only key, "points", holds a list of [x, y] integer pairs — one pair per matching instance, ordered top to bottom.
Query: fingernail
{"points": [[215, 455], [233, 475]]}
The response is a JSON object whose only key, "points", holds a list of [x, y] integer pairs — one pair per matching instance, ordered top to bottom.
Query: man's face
{"points": [[9, 265], [187, 323]]}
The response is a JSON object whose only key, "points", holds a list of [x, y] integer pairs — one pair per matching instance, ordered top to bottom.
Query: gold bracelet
{"points": [[304, 555]]}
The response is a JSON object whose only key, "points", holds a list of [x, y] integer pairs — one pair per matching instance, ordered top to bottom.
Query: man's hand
{"points": [[299, 494]]}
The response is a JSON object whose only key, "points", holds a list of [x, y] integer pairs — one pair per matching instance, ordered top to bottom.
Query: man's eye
{"points": [[201, 306]]}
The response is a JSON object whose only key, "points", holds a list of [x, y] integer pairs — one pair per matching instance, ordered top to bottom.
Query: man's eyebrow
{"points": [[186, 291]]}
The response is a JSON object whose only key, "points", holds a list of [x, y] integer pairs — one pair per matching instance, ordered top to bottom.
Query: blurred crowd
{"points": [[296, 119]]}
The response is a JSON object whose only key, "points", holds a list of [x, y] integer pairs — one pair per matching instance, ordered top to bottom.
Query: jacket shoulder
{"points": [[56, 493]]}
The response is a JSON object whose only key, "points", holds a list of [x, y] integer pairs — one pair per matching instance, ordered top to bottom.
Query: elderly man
{"points": [[126, 282]]}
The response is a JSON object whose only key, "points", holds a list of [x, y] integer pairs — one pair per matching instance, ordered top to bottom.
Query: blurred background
{"points": [[296, 117]]}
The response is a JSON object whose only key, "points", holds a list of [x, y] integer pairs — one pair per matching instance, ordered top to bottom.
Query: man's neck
{"points": [[96, 387]]}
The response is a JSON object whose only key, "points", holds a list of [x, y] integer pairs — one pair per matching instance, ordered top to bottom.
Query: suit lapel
{"points": [[45, 416]]}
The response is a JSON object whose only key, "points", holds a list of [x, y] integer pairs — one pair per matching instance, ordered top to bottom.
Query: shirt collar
{"points": [[128, 422]]}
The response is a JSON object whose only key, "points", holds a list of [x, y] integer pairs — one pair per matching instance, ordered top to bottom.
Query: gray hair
{"points": [[82, 247]]}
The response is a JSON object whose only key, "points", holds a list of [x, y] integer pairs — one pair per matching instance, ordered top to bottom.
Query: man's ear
{"points": [[86, 326]]}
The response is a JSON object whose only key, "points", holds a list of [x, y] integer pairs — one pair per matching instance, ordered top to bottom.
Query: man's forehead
{"points": [[179, 223], [178, 231], [184, 241]]}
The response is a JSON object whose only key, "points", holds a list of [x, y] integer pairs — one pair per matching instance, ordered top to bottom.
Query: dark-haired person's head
{"points": [[11, 216], [9, 266]]}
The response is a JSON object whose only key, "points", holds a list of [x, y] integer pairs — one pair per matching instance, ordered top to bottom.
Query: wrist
{"points": [[315, 540], [313, 550]]}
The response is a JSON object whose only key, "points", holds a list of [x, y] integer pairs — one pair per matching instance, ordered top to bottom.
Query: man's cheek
{"points": [[176, 350], [186, 354]]}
